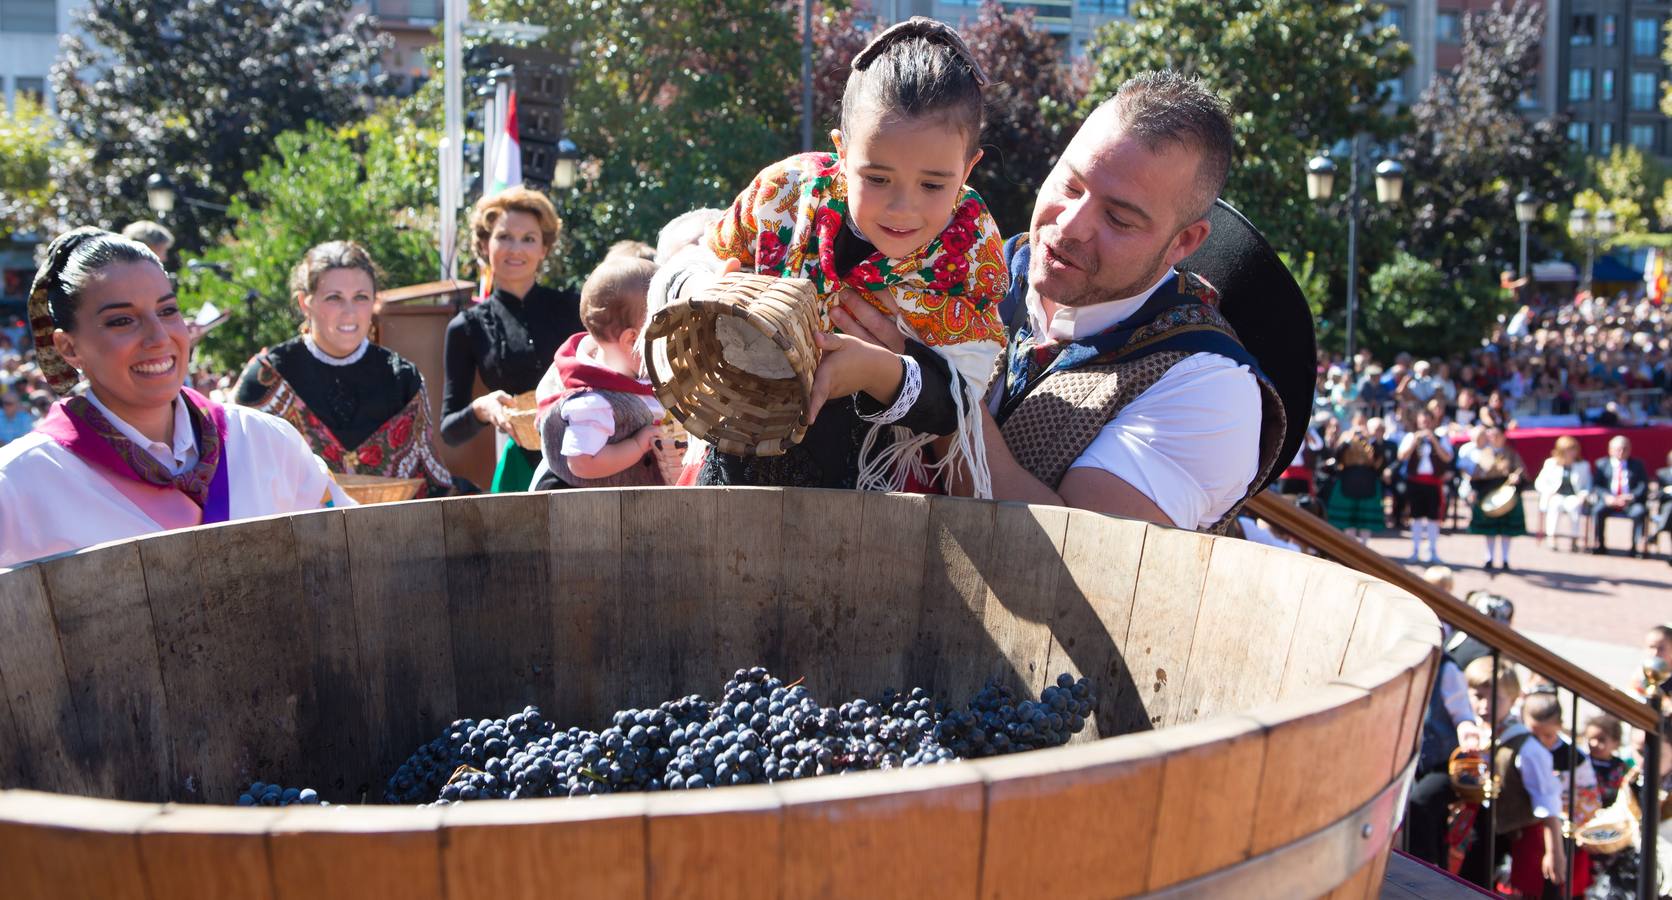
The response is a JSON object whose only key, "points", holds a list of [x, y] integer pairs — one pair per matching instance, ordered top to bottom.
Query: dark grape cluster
{"points": [[760, 730], [261, 793]]}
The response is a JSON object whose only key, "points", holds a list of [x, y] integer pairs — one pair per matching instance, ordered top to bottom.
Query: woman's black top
{"points": [[510, 341], [353, 401], [828, 455]]}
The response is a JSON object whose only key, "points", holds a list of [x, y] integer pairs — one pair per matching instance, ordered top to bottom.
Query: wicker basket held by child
{"points": [[734, 364]]}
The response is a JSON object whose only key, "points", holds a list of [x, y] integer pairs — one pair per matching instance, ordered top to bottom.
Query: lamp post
{"points": [[566, 170], [1320, 184], [160, 194], [1526, 210], [1590, 229]]}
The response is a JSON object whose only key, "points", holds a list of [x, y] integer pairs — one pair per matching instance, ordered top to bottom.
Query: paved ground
{"points": [[1591, 609]]}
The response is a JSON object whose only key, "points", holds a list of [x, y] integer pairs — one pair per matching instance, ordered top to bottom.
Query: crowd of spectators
{"points": [[1591, 362]]}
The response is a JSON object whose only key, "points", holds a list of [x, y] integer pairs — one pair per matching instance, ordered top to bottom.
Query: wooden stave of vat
{"points": [[1274, 764]]}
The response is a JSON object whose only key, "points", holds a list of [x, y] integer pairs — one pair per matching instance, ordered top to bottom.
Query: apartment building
{"points": [[1072, 22], [29, 31], [1613, 74]]}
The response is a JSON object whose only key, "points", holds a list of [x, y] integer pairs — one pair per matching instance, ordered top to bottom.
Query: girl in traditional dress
{"points": [[886, 219], [513, 336], [361, 407], [138, 452], [1495, 464], [1355, 500]]}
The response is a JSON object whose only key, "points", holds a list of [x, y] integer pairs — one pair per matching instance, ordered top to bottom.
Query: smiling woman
{"points": [[361, 407], [136, 452]]}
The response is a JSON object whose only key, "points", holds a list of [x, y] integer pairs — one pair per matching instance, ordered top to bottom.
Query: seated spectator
{"points": [[1496, 411], [16, 420], [1564, 486], [1621, 491], [1663, 508]]}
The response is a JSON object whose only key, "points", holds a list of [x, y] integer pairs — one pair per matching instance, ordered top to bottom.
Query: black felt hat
{"points": [[1263, 303]]}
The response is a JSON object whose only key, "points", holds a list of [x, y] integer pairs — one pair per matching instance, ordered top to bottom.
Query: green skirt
{"points": [[514, 473], [1346, 512], [1510, 524]]}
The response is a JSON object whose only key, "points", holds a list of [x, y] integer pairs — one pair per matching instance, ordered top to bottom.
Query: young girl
{"points": [[886, 219]]}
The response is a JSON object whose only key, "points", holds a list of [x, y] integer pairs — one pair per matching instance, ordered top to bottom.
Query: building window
{"points": [[1107, 7], [30, 16], [1393, 17], [1448, 28], [1610, 30], [1584, 32], [1645, 37], [1579, 84], [1607, 84], [33, 88], [1395, 88], [1645, 91], [1580, 133], [1643, 137], [1605, 138]]}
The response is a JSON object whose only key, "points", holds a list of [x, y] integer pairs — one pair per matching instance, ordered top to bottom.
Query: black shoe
{"points": [[1599, 551], [1504, 567]]}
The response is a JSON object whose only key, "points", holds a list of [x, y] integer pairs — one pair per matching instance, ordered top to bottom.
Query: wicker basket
{"points": [[735, 363], [525, 409], [378, 489]]}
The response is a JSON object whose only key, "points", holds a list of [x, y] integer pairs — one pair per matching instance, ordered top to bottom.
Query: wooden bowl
{"points": [[734, 364], [377, 488], [1257, 718]]}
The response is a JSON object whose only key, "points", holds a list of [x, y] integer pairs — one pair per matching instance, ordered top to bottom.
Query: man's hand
{"points": [[850, 365]]}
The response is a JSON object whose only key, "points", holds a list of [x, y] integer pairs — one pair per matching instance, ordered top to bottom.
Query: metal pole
{"points": [[807, 76], [452, 148], [1524, 227], [1352, 250], [1590, 260], [1492, 781], [1569, 829], [1648, 873]]}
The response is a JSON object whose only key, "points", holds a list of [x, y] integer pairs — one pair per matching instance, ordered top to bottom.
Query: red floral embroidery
{"points": [[770, 253], [950, 272], [865, 274], [400, 432], [333, 453], [370, 454]]}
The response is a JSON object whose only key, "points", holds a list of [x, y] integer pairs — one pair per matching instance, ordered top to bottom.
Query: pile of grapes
{"points": [[760, 730]]}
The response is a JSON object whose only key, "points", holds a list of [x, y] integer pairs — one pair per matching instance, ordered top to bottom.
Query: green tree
{"points": [[1298, 75], [198, 91], [680, 104], [1025, 133], [26, 150], [1470, 152], [373, 182], [1628, 183], [1414, 305]]}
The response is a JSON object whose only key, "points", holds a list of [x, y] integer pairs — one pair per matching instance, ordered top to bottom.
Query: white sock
{"points": [[1433, 537], [1503, 548], [1491, 549]]}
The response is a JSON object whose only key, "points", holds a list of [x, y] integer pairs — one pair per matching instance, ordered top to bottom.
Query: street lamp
{"points": [[566, 169], [1390, 187], [159, 194], [1526, 212]]}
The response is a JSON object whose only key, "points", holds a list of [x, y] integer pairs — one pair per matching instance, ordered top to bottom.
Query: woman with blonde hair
{"points": [[512, 337], [361, 407], [1563, 484]]}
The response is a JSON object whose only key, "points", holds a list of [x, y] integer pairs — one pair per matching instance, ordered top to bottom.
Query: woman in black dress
{"points": [[511, 338], [360, 406]]}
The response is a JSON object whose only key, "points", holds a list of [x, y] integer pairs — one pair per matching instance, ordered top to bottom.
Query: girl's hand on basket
{"points": [[864, 321], [850, 365], [494, 409]]}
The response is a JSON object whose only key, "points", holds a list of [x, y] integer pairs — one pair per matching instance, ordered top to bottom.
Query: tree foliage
{"points": [[1298, 75], [199, 91], [680, 104], [1031, 110], [27, 147], [1472, 149], [373, 182], [1413, 304]]}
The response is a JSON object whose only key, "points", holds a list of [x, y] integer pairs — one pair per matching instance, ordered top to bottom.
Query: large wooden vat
{"points": [[1274, 700]]}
